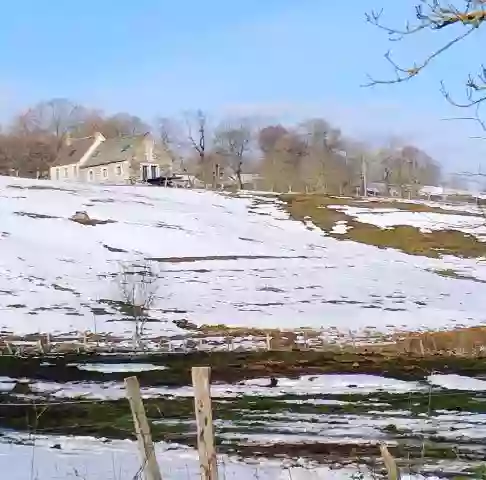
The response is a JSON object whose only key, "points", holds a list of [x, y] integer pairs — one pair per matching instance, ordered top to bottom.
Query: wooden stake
{"points": [[269, 342], [421, 346], [204, 421], [390, 464], [149, 466]]}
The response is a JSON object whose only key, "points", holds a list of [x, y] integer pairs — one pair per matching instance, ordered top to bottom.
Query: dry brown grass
{"points": [[463, 341]]}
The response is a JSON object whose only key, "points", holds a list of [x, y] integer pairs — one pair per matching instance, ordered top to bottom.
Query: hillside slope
{"points": [[220, 260]]}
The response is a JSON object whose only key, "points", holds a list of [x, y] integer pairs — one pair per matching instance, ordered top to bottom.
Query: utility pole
{"points": [[364, 178]]}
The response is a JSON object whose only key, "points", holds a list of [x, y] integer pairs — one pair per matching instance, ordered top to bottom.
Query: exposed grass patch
{"points": [[41, 187], [102, 200], [401, 205], [34, 215], [91, 221], [170, 227], [405, 238], [114, 249], [217, 257], [450, 273], [61, 288], [235, 366]]}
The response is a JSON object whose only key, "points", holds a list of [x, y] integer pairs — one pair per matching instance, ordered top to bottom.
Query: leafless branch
{"points": [[435, 15], [404, 74], [473, 118], [196, 124]]}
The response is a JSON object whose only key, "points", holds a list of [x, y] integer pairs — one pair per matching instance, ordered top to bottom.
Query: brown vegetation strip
{"points": [[220, 257]]}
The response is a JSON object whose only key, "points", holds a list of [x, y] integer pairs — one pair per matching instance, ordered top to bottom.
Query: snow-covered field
{"points": [[220, 259], [94, 459]]}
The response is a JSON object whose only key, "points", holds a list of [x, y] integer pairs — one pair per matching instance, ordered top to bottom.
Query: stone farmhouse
{"points": [[121, 160]]}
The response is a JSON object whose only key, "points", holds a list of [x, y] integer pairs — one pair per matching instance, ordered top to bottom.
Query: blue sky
{"points": [[276, 58]]}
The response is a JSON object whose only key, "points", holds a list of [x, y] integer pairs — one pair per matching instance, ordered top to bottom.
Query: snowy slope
{"points": [[56, 274]]}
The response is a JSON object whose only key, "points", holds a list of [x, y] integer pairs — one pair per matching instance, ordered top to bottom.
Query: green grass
{"points": [[405, 238]]}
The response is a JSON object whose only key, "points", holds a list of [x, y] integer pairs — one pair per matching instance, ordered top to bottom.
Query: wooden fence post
{"points": [[204, 421], [149, 466], [393, 472]]}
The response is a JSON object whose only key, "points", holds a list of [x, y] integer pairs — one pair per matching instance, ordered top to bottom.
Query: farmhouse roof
{"points": [[115, 150], [73, 151]]}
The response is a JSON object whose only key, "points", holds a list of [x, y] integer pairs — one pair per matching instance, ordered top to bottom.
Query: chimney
{"points": [[99, 137], [68, 140], [148, 142]]}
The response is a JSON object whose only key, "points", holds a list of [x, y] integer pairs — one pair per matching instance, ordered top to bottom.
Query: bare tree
{"points": [[432, 16], [54, 118], [123, 124], [117, 125], [197, 135], [170, 137], [268, 137], [198, 140], [233, 140], [267, 141], [290, 151], [25, 155], [361, 165], [326, 167], [407, 168], [137, 289]]}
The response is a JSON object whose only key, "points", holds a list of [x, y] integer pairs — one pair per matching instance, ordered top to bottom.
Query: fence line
{"points": [[421, 345]]}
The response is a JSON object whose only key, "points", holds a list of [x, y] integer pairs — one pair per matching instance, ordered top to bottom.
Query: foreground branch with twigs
{"points": [[433, 16]]}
